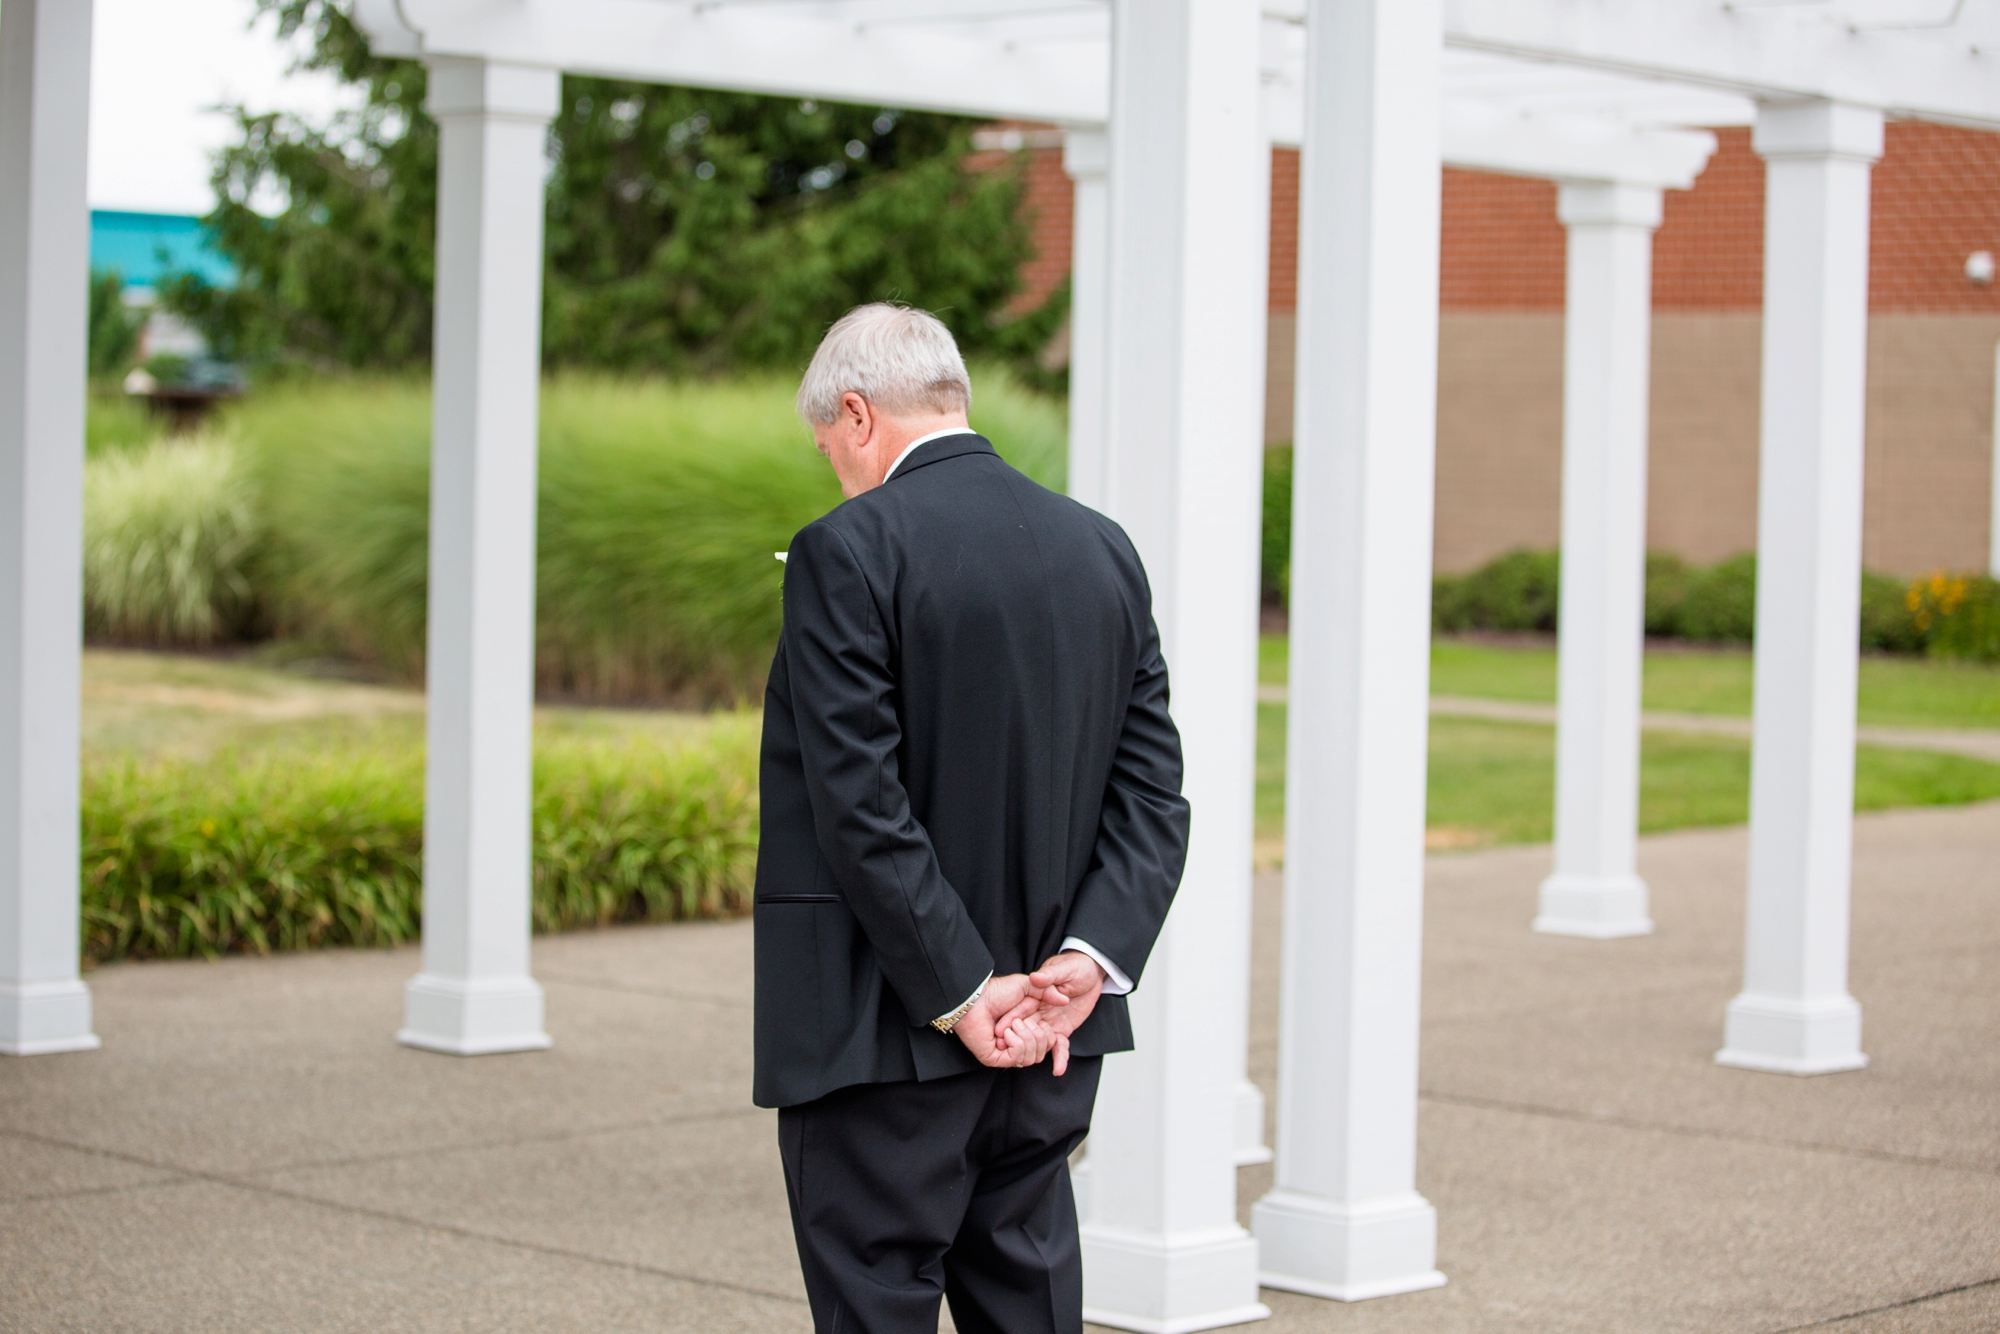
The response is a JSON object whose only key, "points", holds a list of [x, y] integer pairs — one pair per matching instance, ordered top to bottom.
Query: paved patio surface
{"points": [[251, 1151]]}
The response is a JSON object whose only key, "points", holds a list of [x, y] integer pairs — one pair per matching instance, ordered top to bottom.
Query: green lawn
{"points": [[1894, 692], [143, 705], [1490, 782], [1493, 782]]}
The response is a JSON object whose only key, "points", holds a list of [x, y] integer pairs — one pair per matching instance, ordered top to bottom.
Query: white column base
{"points": [[1599, 907], [41, 1018], [472, 1018], [1790, 1037], [1250, 1146], [1350, 1253], [1189, 1281]]}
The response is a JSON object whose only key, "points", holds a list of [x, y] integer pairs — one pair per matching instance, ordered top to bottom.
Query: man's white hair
{"points": [[901, 360]]}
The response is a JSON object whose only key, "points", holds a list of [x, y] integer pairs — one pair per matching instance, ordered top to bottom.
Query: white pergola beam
{"points": [[784, 51], [1769, 51], [1573, 148], [44, 281], [475, 994], [1344, 1219], [1161, 1246]]}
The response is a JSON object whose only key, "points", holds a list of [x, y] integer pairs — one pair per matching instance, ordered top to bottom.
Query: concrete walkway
{"points": [[1979, 744], [251, 1151]]}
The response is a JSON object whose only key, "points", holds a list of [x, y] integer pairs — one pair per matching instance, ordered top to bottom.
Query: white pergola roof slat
{"points": [[1925, 59], [1050, 60], [966, 66]]}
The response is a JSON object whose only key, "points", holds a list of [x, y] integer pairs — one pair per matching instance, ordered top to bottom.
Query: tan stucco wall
{"points": [[1930, 435], [1930, 442], [1499, 462]]}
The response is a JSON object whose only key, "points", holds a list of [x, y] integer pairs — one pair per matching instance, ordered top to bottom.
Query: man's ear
{"points": [[859, 416]]}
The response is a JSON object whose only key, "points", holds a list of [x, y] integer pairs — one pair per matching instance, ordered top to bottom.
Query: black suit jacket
{"points": [[967, 758]]}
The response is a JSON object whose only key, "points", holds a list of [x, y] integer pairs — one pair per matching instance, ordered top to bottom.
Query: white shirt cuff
{"points": [[1115, 981]]}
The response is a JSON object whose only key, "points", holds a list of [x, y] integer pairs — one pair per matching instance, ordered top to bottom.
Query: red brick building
{"points": [[1932, 338]]}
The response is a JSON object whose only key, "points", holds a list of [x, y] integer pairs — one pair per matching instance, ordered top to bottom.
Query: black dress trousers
{"points": [[956, 1188]]}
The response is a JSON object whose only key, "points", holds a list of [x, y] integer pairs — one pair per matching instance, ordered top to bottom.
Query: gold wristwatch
{"points": [[944, 1023]]}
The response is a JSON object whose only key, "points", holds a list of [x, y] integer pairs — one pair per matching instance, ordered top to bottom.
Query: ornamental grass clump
{"points": [[660, 505], [171, 538], [309, 850]]}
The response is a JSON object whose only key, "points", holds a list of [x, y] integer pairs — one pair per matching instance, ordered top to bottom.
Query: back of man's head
{"points": [[901, 360]]}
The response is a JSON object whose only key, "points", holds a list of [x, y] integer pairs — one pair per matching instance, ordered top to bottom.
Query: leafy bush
{"points": [[114, 328], [170, 540], [1276, 562], [1666, 585], [1518, 591], [1720, 603], [1947, 615], [1958, 615], [1888, 623], [294, 851]]}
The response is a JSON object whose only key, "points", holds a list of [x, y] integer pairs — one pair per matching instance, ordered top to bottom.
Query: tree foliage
{"points": [[686, 229], [114, 329]]}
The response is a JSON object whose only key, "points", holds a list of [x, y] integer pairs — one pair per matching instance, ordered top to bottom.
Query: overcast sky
{"points": [[157, 71]]}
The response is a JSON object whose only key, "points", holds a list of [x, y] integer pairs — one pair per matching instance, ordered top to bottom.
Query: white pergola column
{"points": [[1087, 159], [44, 282], [1607, 340], [1993, 512], [475, 994], [1794, 1015], [1344, 1219], [1161, 1246]]}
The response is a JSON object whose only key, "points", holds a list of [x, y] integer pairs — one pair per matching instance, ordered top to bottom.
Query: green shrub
{"points": [[114, 327], [170, 539], [1275, 572], [1667, 578], [1517, 592], [1718, 603], [1958, 615], [1888, 622], [631, 831], [292, 851]]}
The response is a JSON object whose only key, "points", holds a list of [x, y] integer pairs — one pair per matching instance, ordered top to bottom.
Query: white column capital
{"points": [[461, 86], [1817, 129], [1086, 153], [1608, 204]]}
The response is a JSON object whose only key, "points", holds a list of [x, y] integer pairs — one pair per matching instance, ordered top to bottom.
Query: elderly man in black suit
{"points": [[972, 831]]}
